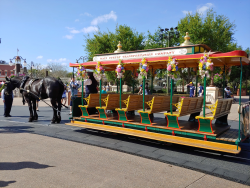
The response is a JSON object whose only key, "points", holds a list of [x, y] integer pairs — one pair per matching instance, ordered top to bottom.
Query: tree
{"points": [[214, 30], [106, 42]]}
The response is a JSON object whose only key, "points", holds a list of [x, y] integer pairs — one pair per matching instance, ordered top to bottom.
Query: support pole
{"points": [[152, 79], [167, 83], [196, 84], [224, 84], [133, 85], [117, 86], [82, 91], [120, 93], [171, 96], [72, 97], [100, 97], [204, 98], [143, 99], [239, 136]]}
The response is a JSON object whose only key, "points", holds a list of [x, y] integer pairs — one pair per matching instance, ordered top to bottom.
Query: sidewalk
{"points": [[30, 160]]}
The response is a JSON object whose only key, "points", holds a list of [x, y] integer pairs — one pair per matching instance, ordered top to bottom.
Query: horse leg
{"points": [[53, 103], [59, 105], [30, 108], [34, 109]]}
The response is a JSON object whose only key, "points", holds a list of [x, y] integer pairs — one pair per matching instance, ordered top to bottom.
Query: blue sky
{"points": [[53, 31]]}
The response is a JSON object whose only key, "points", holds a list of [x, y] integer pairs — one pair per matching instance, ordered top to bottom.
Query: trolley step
{"points": [[161, 137]]}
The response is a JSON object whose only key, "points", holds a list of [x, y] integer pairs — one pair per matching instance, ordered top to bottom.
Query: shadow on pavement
{"points": [[15, 129], [22, 165], [6, 183]]}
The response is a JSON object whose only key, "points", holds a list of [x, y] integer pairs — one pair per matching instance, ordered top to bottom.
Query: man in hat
{"points": [[192, 89]]}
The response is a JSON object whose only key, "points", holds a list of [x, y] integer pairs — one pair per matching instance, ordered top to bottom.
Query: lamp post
{"points": [[168, 34], [83, 58], [17, 63], [31, 66], [47, 72]]}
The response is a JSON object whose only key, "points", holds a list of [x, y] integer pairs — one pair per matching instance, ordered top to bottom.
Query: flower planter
{"points": [[243, 92]]}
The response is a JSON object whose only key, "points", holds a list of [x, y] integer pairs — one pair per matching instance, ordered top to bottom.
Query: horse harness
{"points": [[25, 79]]}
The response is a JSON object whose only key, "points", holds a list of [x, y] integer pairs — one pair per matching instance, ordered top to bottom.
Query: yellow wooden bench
{"points": [[112, 101], [92, 102], [133, 102], [157, 104], [189, 105], [220, 110]]}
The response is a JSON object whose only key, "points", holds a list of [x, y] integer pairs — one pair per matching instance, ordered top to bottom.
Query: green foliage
{"points": [[214, 30], [106, 42], [218, 80]]}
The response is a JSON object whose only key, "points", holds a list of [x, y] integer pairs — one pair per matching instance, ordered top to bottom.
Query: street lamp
{"points": [[168, 34], [17, 63], [47, 72]]}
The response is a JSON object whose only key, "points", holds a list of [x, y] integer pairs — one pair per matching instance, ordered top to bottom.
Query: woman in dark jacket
{"points": [[90, 87]]}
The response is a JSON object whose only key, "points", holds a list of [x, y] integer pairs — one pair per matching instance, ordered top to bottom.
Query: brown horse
{"points": [[33, 89]]}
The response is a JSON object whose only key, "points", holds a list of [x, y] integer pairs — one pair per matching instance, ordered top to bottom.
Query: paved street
{"points": [[39, 154]]}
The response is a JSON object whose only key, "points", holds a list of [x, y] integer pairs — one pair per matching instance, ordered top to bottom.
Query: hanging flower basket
{"points": [[205, 66], [172, 68], [120, 69], [143, 69], [81, 72], [98, 72]]}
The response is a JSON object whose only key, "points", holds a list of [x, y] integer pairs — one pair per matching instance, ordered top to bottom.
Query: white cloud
{"points": [[204, 8], [186, 12], [87, 14], [104, 18], [77, 20], [70, 28], [89, 29], [75, 31], [68, 36], [39, 57], [57, 60]]}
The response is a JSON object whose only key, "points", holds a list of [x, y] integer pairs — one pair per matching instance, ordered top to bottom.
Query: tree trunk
{"points": [[212, 80], [183, 85]]}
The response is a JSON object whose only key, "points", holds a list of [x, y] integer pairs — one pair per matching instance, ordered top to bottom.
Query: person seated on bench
{"points": [[90, 87]]}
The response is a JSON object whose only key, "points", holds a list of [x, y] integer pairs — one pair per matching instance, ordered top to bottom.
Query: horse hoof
{"points": [[35, 118], [30, 119]]}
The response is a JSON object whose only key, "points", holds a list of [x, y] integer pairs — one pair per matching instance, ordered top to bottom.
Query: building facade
{"points": [[6, 70]]}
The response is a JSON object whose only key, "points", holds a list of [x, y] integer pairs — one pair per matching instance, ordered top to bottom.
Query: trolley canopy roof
{"points": [[187, 56]]}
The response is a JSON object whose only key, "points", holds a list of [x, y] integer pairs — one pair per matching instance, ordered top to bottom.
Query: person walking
{"points": [[74, 86], [192, 89], [201, 90], [64, 96], [7, 100]]}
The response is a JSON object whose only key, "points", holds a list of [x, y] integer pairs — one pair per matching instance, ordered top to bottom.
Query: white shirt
{"points": [[87, 82], [2, 94]]}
